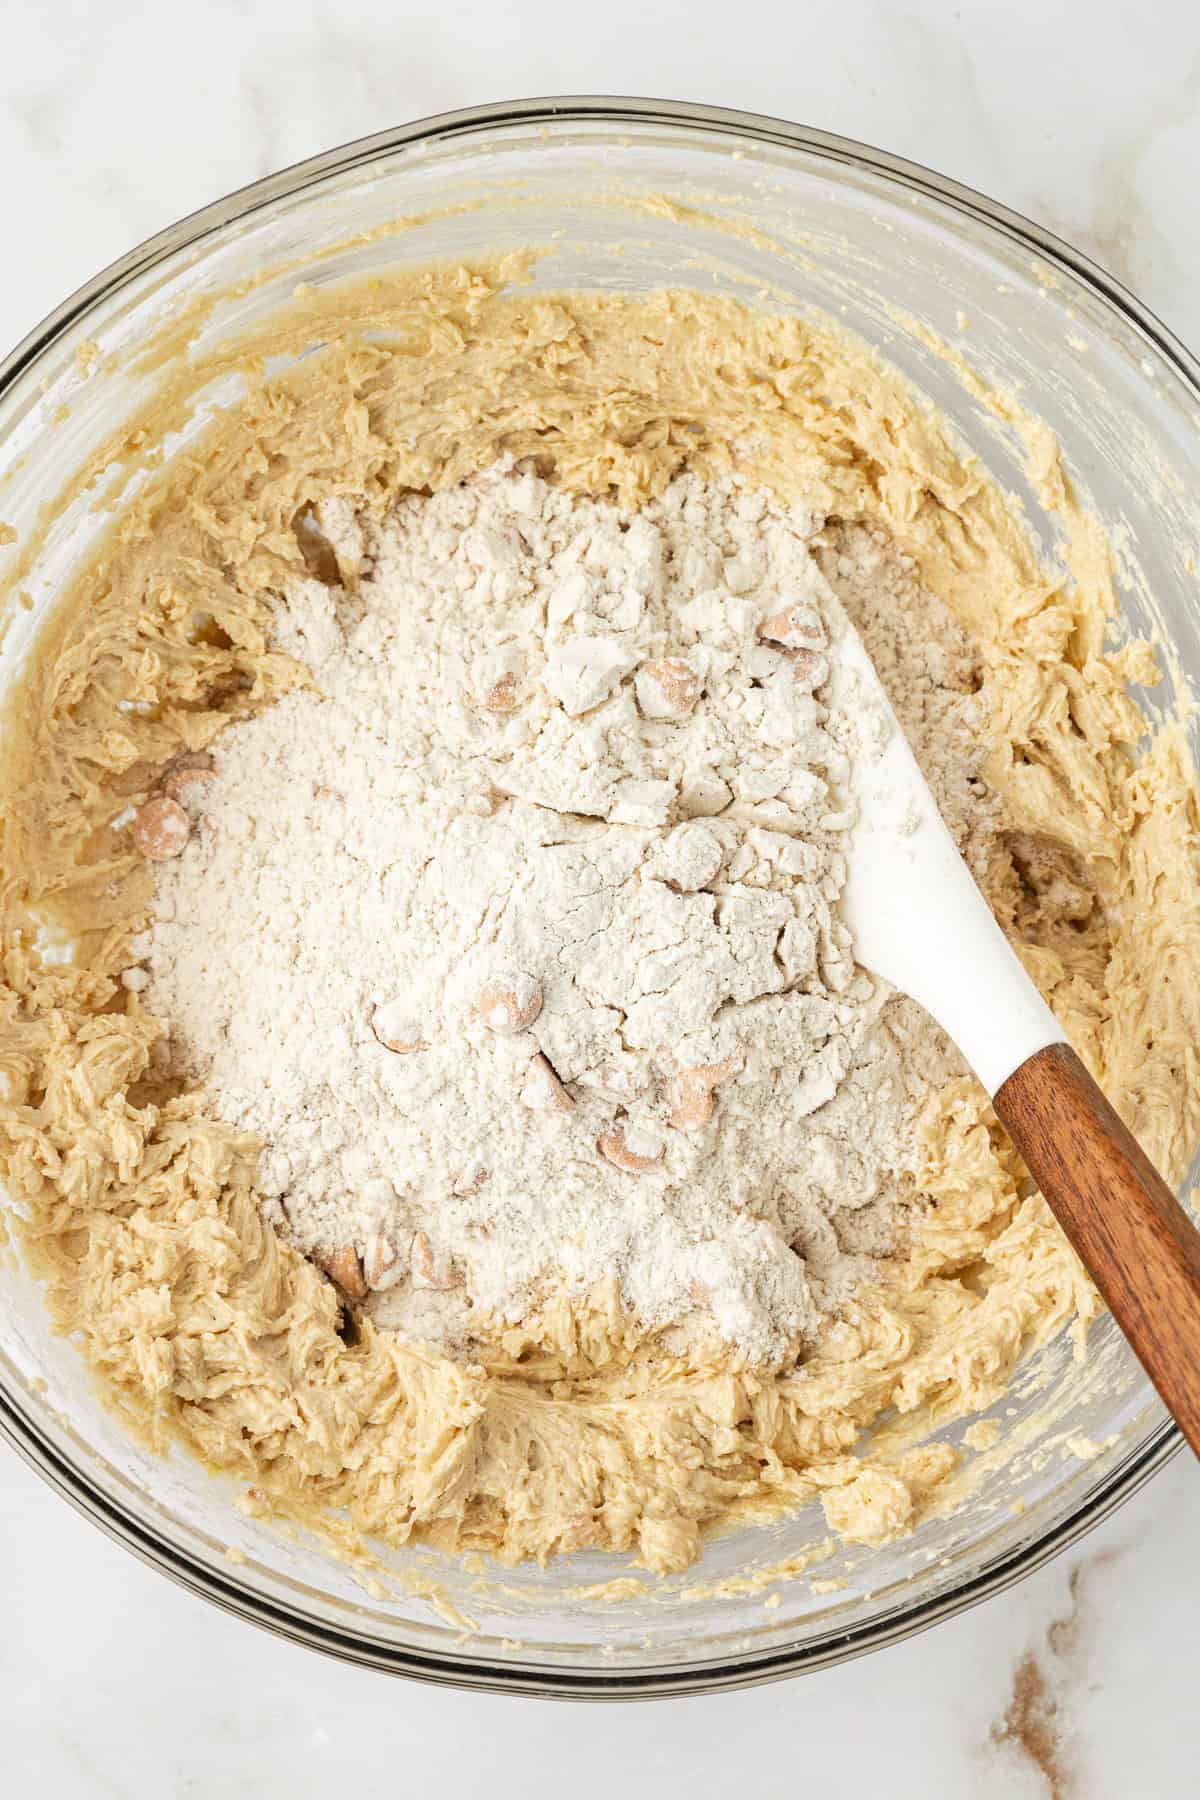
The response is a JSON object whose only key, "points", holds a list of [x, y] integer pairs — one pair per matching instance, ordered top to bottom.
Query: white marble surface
{"points": [[114, 120]]}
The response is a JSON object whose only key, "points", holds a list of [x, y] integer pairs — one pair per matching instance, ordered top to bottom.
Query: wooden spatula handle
{"points": [[1138, 1243]]}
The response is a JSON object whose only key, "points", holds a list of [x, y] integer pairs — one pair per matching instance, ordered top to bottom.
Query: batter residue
{"points": [[574, 1415]]}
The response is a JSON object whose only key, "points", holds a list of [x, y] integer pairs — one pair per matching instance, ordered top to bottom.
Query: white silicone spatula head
{"points": [[917, 917]]}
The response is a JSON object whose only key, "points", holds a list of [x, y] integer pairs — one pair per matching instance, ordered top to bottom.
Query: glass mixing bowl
{"points": [[894, 253]]}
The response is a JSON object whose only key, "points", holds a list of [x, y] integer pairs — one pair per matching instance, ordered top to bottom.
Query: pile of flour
{"points": [[517, 939]]}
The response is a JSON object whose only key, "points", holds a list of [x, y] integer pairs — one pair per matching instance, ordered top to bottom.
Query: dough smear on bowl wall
{"points": [[457, 1103]]}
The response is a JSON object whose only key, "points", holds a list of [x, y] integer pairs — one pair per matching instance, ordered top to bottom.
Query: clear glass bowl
{"points": [[888, 249]]}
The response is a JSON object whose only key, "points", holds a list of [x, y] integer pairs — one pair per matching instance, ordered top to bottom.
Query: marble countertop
{"points": [[115, 120]]}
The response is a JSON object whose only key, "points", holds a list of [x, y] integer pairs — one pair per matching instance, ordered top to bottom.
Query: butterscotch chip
{"points": [[795, 627], [809, 668], [668, 688], [504, 695], [190, 786], [161, 829], [509, 1002], [396, 1029], [693, 1091], [693, 1101], [633, 1151], [381, 1263], [343, 1266], [431, 1269]]}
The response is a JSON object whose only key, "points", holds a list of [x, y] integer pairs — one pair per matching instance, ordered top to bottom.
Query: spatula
{"points": [[921, 923]]}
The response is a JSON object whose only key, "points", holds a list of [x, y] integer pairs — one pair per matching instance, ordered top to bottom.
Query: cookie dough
{"points": [[138, 1205]]}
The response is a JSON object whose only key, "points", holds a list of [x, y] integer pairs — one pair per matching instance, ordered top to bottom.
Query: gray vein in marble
{"points": [[1038, 1725]]}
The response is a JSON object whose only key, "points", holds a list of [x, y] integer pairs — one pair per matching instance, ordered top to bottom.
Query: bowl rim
{"points": [[531, 1678]]}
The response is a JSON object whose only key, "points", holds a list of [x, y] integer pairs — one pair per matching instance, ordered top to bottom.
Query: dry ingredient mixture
{"points": [[419, 842], [518, 941]]}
